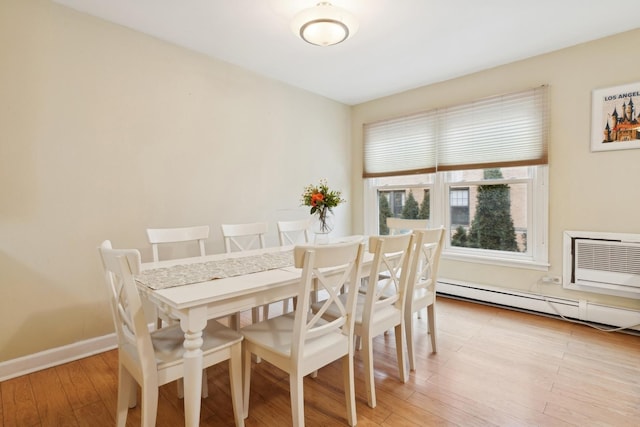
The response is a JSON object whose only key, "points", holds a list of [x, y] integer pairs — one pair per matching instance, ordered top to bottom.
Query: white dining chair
{"points": [[402, 225], [292, 233], [160, 236], [165, 236], [244, 237], [421, 285], [382, 306], [300, 343], [152, 359]]}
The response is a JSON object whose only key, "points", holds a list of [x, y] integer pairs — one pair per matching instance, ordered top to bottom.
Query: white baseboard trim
{"points": [[580, 310], [56, 356]]}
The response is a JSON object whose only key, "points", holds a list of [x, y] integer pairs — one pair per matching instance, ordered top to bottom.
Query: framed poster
{"points": [[615, 118]]}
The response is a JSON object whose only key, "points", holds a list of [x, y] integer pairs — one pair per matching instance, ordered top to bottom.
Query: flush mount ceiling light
{"points": [[324, 25]]}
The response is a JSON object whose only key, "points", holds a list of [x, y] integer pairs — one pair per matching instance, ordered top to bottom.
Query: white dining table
{"points": [[195, 303]]}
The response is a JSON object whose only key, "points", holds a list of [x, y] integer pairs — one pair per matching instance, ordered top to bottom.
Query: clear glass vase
{"points": [[322, 225]]}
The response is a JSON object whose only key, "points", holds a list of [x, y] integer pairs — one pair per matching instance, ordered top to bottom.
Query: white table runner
{"points": [[185, 274]]}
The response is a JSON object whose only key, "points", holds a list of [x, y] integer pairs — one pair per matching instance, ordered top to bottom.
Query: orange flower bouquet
{"points": [[322, 201]]}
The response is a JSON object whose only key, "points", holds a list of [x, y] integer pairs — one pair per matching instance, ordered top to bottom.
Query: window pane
{"points": [[409, 203], [459, 204], [498, 218]]}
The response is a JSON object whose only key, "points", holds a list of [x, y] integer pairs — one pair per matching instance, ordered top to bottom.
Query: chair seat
{"points": [[277, 334], [168, 342]]}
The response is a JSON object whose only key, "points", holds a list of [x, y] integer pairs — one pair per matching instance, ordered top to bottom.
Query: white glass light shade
{"points": [[324, 25]]}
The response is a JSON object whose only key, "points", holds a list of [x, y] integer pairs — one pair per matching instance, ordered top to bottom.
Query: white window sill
{"points": [[497, 261]]}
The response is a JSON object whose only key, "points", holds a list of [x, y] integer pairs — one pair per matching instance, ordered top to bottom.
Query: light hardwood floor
{"points": [[494, 367]]}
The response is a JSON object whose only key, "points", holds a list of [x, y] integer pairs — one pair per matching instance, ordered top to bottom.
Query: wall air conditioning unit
{"points": [[605, 263]]}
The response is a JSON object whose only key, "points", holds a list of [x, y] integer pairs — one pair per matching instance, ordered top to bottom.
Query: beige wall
{"points": [[105, 131], [588, 191]]}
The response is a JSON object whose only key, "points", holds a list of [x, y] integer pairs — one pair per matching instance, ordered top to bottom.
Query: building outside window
{"points": [[459, 205]]}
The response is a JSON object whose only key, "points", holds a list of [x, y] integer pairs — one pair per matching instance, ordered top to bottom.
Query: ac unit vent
{"points": [[611, 256], [606, 263]]}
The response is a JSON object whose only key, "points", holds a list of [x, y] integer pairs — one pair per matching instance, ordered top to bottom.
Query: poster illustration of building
{"points": [[616, 118]]}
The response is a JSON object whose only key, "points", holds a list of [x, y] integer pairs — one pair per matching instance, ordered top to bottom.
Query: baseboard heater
{"points": [[582, 310]]}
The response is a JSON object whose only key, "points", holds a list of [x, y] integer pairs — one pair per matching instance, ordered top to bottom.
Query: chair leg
{"points": [[431, 316], [255, 318], [234, 321], [408, 328], [358, 342], [400, 354], [367, 359], [235, 381], [246, 381], [205, 386], [180, 387], [296, 389], [349, 389], [126, 391], [149, 408]]}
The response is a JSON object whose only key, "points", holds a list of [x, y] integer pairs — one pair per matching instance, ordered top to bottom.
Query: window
{"points": [[479, 169], [459, 206], [498, 220]]}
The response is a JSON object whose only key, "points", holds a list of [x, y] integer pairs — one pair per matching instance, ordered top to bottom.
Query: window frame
{"points": [[439, 183]]}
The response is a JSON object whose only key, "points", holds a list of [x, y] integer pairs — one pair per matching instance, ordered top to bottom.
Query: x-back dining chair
{"points": [[402, 225], [292, 233], [160, 236], [163, 236], [244, 237], [421, 286], [382, 305], [300, 343], [152, 359]]}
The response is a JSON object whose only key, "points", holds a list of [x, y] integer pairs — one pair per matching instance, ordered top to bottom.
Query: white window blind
{"points": [[500, 131], [401, 146]]}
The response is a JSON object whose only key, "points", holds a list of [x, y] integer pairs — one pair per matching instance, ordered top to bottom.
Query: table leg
{"points": [[192, 327]]}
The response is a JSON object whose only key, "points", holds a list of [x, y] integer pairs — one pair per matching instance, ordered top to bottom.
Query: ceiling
{"points": [[400, 45]]}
